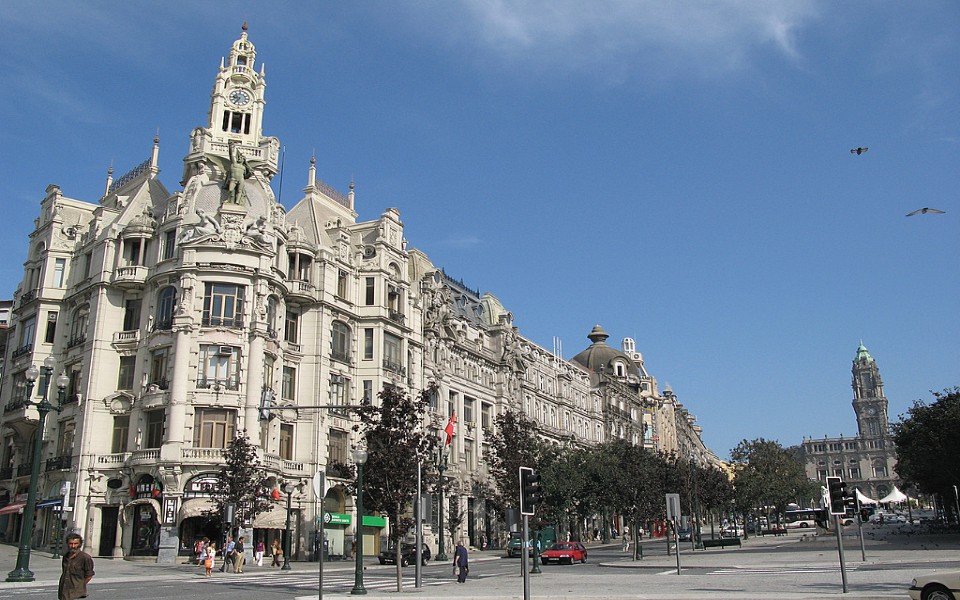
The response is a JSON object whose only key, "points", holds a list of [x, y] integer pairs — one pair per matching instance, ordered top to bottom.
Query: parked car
{"points": [[731, 531], [684, 534], [565, 552], [408, 555], [943, 585]]}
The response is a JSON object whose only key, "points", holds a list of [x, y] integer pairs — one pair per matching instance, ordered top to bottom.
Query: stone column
{"points": [[254, 389], [177, 408]]}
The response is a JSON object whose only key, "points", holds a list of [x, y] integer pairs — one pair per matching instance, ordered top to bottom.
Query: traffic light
{"points": [[838, 491], [531, 493], [851, 504]]}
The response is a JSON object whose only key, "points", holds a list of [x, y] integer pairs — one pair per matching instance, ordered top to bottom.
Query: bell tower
{"points": [[236, 103], [869, 403]]}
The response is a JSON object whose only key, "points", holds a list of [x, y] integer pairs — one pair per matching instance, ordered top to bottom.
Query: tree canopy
{"points": [[241, 481]]}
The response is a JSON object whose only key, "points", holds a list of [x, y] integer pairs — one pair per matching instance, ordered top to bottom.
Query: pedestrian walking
{"points": [[626, 538], [277, 552], [258, 553], [228, 556], [239, 558], [208, 559], [460, 566], [76, 570]]}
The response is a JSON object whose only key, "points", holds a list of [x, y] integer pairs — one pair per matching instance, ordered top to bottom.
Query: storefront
{"points": [[143, 516], [196, 520]]}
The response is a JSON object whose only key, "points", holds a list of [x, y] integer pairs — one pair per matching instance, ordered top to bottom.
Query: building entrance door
{"points": [[109, 517]]}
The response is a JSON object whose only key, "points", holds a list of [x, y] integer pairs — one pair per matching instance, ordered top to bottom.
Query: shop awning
{"points": [[196, 507], [12, 508], [275, 518]]}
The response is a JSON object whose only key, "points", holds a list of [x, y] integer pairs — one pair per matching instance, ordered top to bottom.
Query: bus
{"points": [[803, 518]]}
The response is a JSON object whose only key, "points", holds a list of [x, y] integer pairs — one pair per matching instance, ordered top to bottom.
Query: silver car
{"points": [[942, 585]]}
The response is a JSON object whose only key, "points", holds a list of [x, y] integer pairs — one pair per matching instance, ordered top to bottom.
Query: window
{"points": [[236, 122], [169, 245], [134, 251], [87, 264], [299, 267], [59, 269], [342, 285], [369, 289], [166, 301], [223, 305], [131, 314], [272, 317], [290, 325], [78, 329], [28, 330], [50, 334], [341, 341], [368, 344], [392, 353], [268, 364], [219, 366], [158, 367], [125, 378], [289, 384], [339, 390], [367, 391], [452, 403], [468, 404], [485, 415], [153, 428], [213, 428], [68, 430], [121, 433], [286, 441], [337, 446], [468, 455], [879, 471], [854, 472]]}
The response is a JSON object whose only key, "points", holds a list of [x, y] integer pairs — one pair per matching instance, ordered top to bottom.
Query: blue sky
{"points": [[678, 172]]}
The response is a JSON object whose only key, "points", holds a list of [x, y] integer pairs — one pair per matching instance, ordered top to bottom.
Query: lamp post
{"points": [[359, 457], [441, 467], [288, 488], [22, 572]]}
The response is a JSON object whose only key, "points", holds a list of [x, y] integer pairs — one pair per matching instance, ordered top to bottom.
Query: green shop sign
{"points": [[336, 519], [369, 521]]}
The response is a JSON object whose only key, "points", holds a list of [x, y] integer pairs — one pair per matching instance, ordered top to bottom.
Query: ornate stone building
{"points": [[175, 315], [866, 460]]}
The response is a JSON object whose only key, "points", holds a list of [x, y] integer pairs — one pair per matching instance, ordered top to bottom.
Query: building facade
{"points": [[175, 315], [866, 460]]}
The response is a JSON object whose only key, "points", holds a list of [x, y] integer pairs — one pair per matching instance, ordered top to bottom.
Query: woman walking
{"points": [[277, 552], [258, 553], [209, 556]]}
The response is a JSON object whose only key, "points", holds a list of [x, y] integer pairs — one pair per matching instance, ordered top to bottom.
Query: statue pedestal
{"points": [[232, 217]]}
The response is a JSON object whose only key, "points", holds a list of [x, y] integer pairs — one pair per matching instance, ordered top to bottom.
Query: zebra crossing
{"points": [[785, 570], [331, 581]]}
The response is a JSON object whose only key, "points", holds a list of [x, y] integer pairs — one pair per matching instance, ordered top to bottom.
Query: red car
{"points": [[565, 552]]}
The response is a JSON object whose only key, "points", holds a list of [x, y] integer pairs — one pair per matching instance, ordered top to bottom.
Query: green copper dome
{"points": [[863, 355]]}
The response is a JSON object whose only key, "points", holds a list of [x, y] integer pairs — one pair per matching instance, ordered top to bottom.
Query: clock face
{"points": [[239, 97], [871, 411]]}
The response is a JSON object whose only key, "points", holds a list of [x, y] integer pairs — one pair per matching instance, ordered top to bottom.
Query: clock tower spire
{"points": [[869, 403]]}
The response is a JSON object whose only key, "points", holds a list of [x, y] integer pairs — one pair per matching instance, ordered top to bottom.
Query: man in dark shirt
{"points": [[238, 556], [460, 563], [77, 570]]}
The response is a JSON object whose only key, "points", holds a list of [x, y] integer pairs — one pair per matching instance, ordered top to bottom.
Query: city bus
{"points": [[803, 518]]}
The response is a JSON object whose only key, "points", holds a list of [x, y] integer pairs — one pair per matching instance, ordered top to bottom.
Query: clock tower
{"points": [[869, 403]]}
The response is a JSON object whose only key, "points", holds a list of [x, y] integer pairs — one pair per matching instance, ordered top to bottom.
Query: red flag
{"points": [[449, 429]]}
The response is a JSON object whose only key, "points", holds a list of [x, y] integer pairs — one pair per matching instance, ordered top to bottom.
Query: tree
{"points": [[397, 443], [513, 444], [928, 448], [767, 475], [240, 483]]}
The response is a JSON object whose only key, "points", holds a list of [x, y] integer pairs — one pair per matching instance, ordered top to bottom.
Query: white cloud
{"points": [[699, 35]]}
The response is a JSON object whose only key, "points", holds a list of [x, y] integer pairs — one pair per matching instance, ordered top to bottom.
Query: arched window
{"points": [[166, 302], [78, 328], [340, 341]]}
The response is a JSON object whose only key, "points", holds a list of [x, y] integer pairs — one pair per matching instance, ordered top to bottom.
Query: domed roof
{"points": [[862, 354], [600, 357]]}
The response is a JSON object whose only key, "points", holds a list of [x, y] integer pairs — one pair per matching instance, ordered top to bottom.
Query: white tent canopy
{"points": [[894, 496], [865, 499]]}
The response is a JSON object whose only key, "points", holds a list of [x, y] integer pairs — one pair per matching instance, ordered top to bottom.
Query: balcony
{"points": [[130, 277], [303, 290], [28, 297], [396, 317], [228, 322], [124, 338], [77, 340], [21, 351], [394, 367], [218, 384], [15, 404], [209, 455], [147, 457], [116, 459], [59, 463]]}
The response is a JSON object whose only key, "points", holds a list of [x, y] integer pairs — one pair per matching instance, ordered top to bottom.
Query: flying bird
{"points": [[858, 150], [926, 210]]}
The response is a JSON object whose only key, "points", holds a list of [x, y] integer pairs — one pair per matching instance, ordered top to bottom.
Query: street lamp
{"points": [[359, 457], [441, 467], [288, 488], [23, 572]]}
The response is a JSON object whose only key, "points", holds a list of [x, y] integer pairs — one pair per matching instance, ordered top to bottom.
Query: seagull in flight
{"points": [[858, 150], [926, 210]]}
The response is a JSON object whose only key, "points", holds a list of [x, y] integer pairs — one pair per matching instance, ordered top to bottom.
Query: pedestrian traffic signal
{"points": [[838, 492], [531, 493]]}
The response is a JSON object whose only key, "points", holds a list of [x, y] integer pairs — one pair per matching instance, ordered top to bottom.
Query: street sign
{"points": [[320, 485], [673, 506]]}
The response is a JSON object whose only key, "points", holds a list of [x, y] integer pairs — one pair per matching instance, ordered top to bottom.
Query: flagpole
{"points": [[441, 467]]}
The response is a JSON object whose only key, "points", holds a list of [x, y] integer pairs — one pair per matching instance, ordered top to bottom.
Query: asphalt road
{"points": [[789, 567]]}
